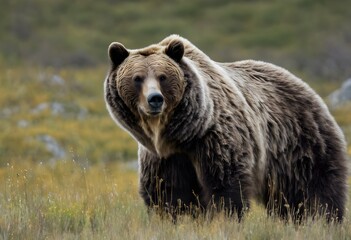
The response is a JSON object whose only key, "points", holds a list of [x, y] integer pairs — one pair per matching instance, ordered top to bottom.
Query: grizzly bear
{"points": [[215, 135]]}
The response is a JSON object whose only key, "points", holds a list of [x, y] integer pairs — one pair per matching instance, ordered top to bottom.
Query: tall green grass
{"points": [[68, 201]]}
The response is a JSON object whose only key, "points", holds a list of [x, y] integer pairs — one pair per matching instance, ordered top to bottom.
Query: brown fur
{"points": [[227, 132]]}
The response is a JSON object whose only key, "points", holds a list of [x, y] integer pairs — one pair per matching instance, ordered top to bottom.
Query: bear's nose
{"points": [[155, 100]]}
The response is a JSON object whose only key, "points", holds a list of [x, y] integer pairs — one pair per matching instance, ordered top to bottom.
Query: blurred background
{"points": [[53, 60]]}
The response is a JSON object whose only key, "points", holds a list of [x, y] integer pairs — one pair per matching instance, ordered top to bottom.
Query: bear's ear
{"points": [[175, 50], [117, 53]]}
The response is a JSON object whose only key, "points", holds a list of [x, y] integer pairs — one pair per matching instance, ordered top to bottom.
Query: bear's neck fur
{"points": [[153, 126], [168, 132]]}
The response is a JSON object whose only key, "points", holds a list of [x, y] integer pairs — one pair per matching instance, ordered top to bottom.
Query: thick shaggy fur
{"points": [[229, 132]]}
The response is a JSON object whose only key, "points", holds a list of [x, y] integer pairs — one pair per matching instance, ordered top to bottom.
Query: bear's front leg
{"points": [[225, 184], [169, 185], [231, 199]]}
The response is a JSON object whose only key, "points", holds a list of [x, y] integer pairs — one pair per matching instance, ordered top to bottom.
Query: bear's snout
{"points": [[155, 101]]}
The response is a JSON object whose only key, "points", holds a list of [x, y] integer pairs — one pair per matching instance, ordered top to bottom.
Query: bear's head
{"points": [[149, 81], [154, 92]]}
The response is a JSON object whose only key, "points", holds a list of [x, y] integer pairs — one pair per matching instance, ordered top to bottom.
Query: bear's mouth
{"points": [[150, 112], [154, 112]]}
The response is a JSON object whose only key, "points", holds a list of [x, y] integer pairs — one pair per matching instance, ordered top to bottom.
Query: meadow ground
{"points": [[67, 171], [68, 201]]}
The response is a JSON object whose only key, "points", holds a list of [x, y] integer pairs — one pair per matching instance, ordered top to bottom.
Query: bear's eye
{"points": [[162, 78], [137, 79]]}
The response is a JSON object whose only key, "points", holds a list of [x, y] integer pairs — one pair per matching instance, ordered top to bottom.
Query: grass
{"points": [[307, 35], [72, 125], [41, 201], [68, 201]]}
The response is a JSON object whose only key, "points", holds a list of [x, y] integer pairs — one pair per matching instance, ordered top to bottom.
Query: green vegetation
{"points": [[310, 36], [49, 115], [64, 164]]}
